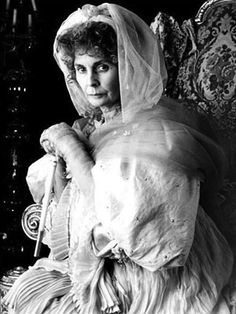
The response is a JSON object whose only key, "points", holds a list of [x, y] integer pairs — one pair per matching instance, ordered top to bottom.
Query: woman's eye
{"points": [[103, 68], [80, 69]]}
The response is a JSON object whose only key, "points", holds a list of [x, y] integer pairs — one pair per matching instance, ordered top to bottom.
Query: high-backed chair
{"points": [[200, 56]]}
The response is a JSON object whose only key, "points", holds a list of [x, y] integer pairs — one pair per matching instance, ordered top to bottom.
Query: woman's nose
{"points": [[92, 79]]}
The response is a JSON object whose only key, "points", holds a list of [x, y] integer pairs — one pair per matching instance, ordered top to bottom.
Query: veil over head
{"points": [[142, 72]]}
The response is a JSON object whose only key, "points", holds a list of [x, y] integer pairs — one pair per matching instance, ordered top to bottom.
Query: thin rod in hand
{"points": [[45, 204]]}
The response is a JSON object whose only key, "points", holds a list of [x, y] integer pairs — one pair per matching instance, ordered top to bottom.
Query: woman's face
{"points": [[98, 78]]}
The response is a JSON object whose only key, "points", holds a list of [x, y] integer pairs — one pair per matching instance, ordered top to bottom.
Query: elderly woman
{"points": [[128, 232]]}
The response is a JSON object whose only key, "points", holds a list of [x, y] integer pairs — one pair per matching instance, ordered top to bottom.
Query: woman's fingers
{"points": [[55, 138], [45, 143], [48, 147]]}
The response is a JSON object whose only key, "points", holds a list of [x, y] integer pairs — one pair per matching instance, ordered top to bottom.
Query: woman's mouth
{"points": [[97, 95]]}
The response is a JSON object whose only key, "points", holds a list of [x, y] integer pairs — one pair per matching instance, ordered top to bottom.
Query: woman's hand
{"points": [[59, 139], [63, 141]]}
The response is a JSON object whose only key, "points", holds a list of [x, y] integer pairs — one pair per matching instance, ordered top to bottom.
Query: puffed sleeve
{"points": [[36, 177], [148, 208]]}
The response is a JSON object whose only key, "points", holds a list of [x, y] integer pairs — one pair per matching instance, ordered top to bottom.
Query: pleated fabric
{"points": [[59, 232], [195, 288], [41, 291]]}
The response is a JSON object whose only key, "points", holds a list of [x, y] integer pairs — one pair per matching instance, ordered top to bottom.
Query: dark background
{"points": [[47, 102]]}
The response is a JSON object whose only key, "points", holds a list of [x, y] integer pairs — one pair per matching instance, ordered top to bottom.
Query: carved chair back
{"points": [[200, 56]]}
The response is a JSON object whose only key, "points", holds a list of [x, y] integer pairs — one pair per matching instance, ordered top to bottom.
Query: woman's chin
{"points": [[97, 103]]}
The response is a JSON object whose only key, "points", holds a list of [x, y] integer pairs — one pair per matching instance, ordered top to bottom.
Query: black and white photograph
{"points": [[118, 155]]}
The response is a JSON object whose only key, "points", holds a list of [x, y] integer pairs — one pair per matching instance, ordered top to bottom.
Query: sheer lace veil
{"points": [[142, 72], [142, 77]]}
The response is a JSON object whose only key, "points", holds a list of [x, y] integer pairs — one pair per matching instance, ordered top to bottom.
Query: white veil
{"points": [[142, 71]]}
